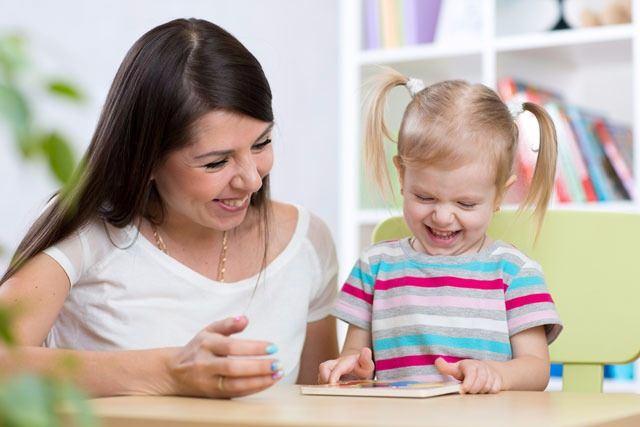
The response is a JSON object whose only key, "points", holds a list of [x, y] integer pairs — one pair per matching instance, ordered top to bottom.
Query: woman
{"points": [[168, 229]]}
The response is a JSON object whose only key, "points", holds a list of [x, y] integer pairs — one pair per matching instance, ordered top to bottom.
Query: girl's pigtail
{"points": [[375, 129], [544, 174]]}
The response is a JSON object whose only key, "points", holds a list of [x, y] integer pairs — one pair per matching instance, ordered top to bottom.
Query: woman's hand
{"points": [[354, 366], [203, 368], [476, 376]]}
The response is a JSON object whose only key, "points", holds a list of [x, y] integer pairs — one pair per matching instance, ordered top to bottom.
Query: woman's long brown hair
{"points": [[172, 76]]}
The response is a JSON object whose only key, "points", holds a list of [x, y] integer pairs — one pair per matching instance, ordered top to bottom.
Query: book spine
{"points": [[426, 20], [409, 21], [400, 22], [389, 23], [372, 24], [614, 156], [578, 159], [565, 161], [600, 184]]}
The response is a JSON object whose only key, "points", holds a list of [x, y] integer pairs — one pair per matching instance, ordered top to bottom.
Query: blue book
{"points": [[592, 152]]}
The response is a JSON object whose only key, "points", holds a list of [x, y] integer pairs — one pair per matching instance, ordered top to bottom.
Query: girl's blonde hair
{"points": [[452, 123]]}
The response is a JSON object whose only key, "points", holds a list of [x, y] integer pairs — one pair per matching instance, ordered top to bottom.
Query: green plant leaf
{"points": [[13, 57], [65, 90], [15, 109], [59, 155], [6, 335], [27, 400], [76, 401]]}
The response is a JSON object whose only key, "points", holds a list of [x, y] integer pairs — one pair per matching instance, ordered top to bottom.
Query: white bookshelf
{"points": [[597, 68]]}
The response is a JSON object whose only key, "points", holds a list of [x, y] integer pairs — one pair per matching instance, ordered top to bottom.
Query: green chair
{"points": [[592, 266]]}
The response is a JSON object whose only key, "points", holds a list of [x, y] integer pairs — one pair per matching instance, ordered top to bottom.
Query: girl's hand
{"points": [[354, 366], [202, 368], [476, 376]]}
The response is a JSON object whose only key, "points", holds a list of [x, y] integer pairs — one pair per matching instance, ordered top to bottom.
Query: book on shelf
{"points": [[394, 23], [371, 24], [591, 163], [622, 169]]}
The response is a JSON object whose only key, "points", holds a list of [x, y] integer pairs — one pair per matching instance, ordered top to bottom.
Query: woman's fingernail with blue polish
{"points": [[271, 348], [276, 366], [278, 375]]}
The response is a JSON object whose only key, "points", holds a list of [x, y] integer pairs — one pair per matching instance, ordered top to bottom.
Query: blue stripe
{"points": [[486, 267], [362, 276], [522, 282], [431, 340]]}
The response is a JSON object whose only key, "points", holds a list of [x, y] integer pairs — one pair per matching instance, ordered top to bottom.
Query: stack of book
{"points": [[394, 23], [595, 155]]}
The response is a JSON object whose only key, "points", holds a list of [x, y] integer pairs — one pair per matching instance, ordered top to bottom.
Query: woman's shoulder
{"points": [[304, 224]]}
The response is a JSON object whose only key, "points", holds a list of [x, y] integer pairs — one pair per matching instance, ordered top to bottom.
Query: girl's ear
{"points": [[397, 162], [512, 180]]}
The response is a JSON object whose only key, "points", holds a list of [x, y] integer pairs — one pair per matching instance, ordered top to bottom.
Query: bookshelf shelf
{"points": [[577, 37], [417, 53], [595, 68]]}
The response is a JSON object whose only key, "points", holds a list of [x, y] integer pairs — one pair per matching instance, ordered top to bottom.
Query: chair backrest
{"points": [[593, 273]]}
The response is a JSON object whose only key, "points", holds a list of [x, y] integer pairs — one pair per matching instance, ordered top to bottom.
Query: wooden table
{"points": [[284, 406]]}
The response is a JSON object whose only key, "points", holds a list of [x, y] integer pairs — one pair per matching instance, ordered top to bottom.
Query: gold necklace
{"points": [[222, 261]]}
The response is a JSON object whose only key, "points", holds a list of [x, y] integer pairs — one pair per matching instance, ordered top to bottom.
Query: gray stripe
{"points": [[527, 290], [495, 294], [440, 311], [350, 319], [440, 330]]}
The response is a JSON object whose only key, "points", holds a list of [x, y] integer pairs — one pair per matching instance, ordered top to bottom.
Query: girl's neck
{"points": [[477, 247]]}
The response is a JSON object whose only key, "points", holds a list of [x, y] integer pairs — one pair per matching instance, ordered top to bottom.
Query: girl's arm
{"points": [[38, 291], [355, 341], [320, 344], [355, 359], [528, 370]]}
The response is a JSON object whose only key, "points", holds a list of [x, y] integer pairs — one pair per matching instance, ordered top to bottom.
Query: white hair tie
{"points": [[414, 86], [515, 109]]}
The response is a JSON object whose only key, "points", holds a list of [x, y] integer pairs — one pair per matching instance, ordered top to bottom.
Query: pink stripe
{"points": [[437, 282], [358, 293], [526, 300], [438, 301], [356, 312], [531, 317], [417, 360]]}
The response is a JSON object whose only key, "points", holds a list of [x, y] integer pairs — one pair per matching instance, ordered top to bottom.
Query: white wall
{"points": [[295, 40]]}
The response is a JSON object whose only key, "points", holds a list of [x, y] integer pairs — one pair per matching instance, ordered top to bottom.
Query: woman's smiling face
{"points": [[210, 181]]}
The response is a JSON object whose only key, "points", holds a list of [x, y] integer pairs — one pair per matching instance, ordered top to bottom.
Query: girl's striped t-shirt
{"points": [[420, 307]]}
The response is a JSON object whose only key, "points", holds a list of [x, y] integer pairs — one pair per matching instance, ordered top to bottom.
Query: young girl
{"points": [[449, 301]]}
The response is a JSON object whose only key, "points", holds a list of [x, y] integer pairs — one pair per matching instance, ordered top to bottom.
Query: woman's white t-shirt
{"points": [[126, 294]]}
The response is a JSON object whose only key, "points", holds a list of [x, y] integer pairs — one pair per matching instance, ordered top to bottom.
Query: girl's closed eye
{"points": [[424, 198], [467, 205]]}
